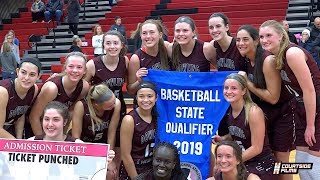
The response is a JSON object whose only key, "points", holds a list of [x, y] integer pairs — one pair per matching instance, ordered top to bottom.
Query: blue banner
{"points": [[190, 106]]}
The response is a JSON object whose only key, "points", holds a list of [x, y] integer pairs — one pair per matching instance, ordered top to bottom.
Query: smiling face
{"points": [[118, 21], [217, 28], [183, 33], [150, 35], [270, 39], [245, 43], [112, 45], [75, 68], [27, 75], [233, 91], [146, 98], [108, 104], [53, 124], [226, 159], [163, 163]]}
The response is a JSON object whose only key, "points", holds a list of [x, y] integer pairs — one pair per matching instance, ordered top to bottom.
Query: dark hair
{"points": [[117, 17], [224, 18], [122, 39], [176, 48], [162, 50], [32, 60], [258, 76], [147, 84], [60, 107], [241, 168], [177, 171]]}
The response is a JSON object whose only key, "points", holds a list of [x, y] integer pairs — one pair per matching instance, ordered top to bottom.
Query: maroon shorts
{"points": [[281, 123], [301, 125], [263, 167]]}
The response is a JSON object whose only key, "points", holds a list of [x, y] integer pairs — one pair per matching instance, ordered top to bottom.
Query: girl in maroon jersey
{"points": [[187, 53], [153, 54], [226, 54], [112, 67], [301, 76], [66, 88], [269, 93], [17, 96], [55, 118], [95, 119], [247, 127], [138, 133], [229, 162]]}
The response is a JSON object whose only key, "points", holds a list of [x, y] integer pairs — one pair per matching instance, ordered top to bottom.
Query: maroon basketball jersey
{"points": [[231, 59], [147, 61], [196, 61], [114, 79], [290, 80], [62, 95], [16, 106], [268, 108], [241, 133], [100, 134], [142, 144]]}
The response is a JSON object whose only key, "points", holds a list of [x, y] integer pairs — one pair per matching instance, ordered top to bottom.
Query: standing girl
{"points": [[73, 16], [97, 40], [15, 48], [187, 53], [153, 54], [227, 56], [8, 62], [110, 68], [301, 76], [67, 88], [269, 93], [17, 96], [95, 119], [246, 124], [137, 133]]}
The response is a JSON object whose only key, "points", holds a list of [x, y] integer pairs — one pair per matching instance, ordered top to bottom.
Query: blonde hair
{"points": [[277, 27], [95, 30], [136, 31], [6, 37], [75, 39], [6, 47], [79, 54], [97, 94], [248, 103]]}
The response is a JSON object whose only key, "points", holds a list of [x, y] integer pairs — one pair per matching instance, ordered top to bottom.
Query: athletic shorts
{"points": [[301, 125], [281, 126], [263, 167]]}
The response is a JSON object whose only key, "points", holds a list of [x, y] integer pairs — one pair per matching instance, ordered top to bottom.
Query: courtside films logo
{"points": [[290, 168]]}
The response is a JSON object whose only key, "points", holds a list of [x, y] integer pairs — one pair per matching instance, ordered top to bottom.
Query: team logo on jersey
{"points": [[194, 171]]}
